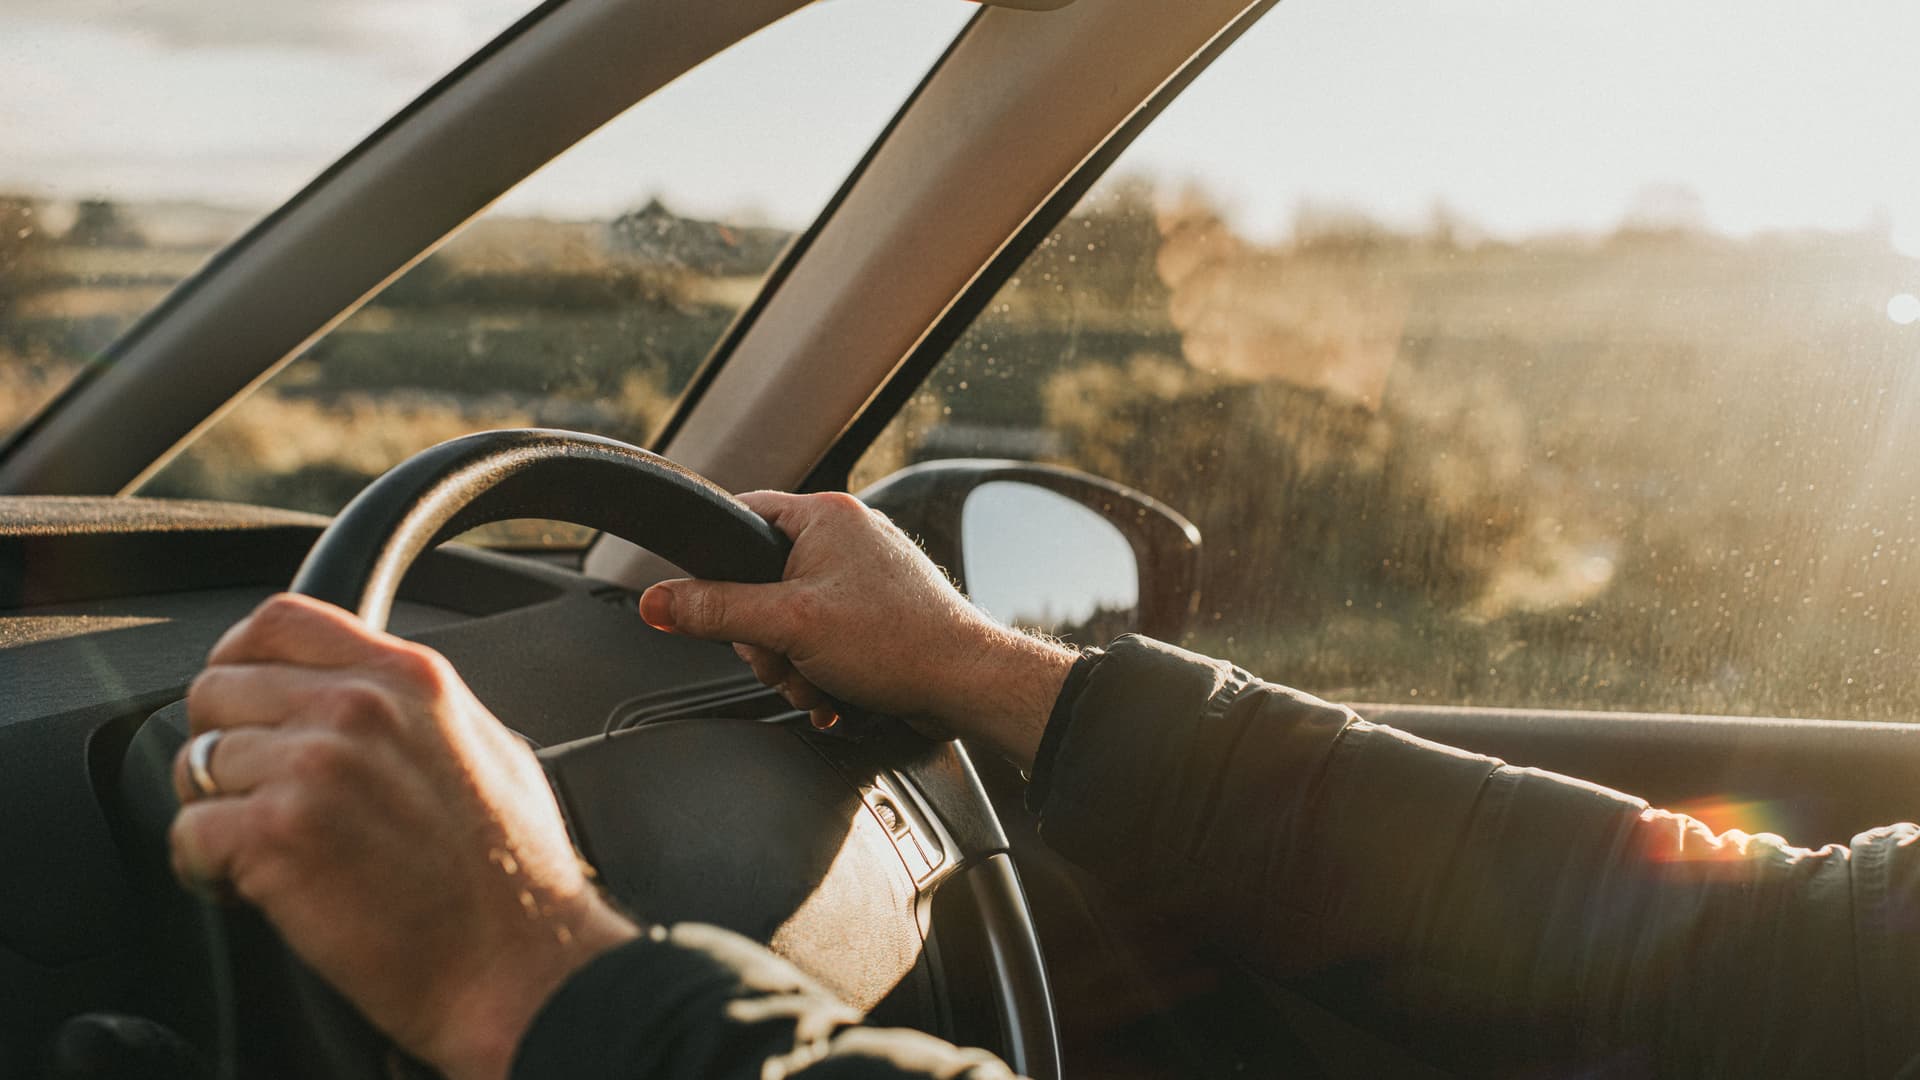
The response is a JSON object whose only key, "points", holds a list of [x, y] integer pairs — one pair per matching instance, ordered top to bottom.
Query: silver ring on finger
{"points": [[200, 764]]}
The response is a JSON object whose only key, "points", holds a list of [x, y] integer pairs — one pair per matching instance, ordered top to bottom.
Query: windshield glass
{"points": [[143, 135], [588, 297]]}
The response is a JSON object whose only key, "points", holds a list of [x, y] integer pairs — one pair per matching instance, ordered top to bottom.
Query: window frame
{"points": [[835, 467]]}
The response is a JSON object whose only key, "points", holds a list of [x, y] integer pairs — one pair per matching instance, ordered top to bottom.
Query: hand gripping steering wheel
{"points": [[875, 864]]}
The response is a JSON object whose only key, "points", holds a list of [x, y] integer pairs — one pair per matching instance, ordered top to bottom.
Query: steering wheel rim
{"points": [[493, 476], [358, 563]]}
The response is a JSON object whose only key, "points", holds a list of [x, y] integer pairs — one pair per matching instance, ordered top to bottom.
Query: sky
{"points": [[1523, 115], [1037, 558]]}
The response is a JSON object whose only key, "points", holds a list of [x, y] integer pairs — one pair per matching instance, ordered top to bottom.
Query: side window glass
{"points": [[1585, 378]]}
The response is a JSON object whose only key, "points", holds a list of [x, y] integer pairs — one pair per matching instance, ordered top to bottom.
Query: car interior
{"points": [[905, 874]]}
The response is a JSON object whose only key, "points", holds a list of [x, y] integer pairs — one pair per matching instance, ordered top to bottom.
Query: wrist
{"points": [[1011, 686], [482, 1032]]}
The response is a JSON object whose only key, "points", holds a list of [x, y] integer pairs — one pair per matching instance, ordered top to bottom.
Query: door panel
{"points": [[1813, 782]]}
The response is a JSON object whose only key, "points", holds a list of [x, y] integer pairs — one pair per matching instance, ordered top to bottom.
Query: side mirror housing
{"points": [[1051, 548]]}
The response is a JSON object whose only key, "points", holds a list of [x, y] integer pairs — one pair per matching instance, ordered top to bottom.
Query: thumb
{"points": [[720, 611]]}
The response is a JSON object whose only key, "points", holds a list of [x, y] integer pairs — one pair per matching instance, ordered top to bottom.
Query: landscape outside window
{"points": [[131, 157], [589, 296], [585, 299], [1504, 357]]}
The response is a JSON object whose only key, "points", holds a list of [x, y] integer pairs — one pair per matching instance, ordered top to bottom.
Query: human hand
{"points": [[865, 616], [403, 842]]}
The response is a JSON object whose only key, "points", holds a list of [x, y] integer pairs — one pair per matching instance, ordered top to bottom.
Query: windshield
{"points": [[143, 135], [586, 298]]}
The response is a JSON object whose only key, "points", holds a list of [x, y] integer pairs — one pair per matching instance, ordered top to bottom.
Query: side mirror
{"points": [[1051, 548]]}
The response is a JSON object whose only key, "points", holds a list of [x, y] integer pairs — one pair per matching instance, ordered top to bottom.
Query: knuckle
{"points": [[840, 504], [805, 606], [705, 609], [277, 616], [419, 668], [202, 693], [357, 708], [319, 761], [283, 824], [181, 838], [185, 869], [264, 882]]}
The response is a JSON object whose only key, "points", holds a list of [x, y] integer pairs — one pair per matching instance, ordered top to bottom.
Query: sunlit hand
{"points": [[865, 616], [404, 843]]}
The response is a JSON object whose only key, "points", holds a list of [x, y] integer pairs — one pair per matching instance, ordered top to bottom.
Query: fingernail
{"points": [[656, 607], [823, 720]]}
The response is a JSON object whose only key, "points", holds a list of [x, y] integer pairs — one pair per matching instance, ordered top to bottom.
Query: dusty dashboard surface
{"points": [[115, 602]]}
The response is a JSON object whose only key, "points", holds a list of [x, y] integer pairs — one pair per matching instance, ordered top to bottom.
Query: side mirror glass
{"points": [[1049, 547], [1036, 558]]}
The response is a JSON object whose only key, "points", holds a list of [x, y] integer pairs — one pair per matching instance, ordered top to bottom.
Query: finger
{"points": [[783, 511], [794, 514], [723, 611], [297, 629], [769, 667], [775, 671], [802, 694], [249, 695], [823, 717], [241, 760], [184, 789], [204, 839]]}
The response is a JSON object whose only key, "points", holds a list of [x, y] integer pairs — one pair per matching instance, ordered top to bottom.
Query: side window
{"points": [[1583, 376]]}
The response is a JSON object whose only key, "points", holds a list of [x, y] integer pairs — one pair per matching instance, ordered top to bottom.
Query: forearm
{"points": [[1460, 902]]}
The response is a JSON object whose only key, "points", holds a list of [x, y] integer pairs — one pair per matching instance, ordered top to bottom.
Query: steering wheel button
{"points": [[889, 816]]}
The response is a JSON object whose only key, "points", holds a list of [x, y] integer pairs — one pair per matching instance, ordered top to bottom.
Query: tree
{"points": [[1664, 211], [102, 223]]}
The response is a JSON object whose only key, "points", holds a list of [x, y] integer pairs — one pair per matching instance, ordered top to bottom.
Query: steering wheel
{"points": [[875, 863]]}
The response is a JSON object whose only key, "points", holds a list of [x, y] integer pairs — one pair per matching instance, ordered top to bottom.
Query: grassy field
{"points": [[1644, 471]]}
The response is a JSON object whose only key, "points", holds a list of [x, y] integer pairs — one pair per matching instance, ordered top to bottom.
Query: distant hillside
{"points": [[715, 249]]}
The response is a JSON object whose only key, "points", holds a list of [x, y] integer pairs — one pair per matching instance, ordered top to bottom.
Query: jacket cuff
{"points": [[1057, 723], [660, 1003], [570, 1035]]}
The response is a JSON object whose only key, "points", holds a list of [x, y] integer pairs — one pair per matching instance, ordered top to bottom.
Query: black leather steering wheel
{"points": [[533, 473], [976, 954]]}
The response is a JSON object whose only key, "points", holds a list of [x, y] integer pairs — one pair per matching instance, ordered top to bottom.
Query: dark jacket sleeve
{"points": [[1507, 913], [700, 1002]]}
